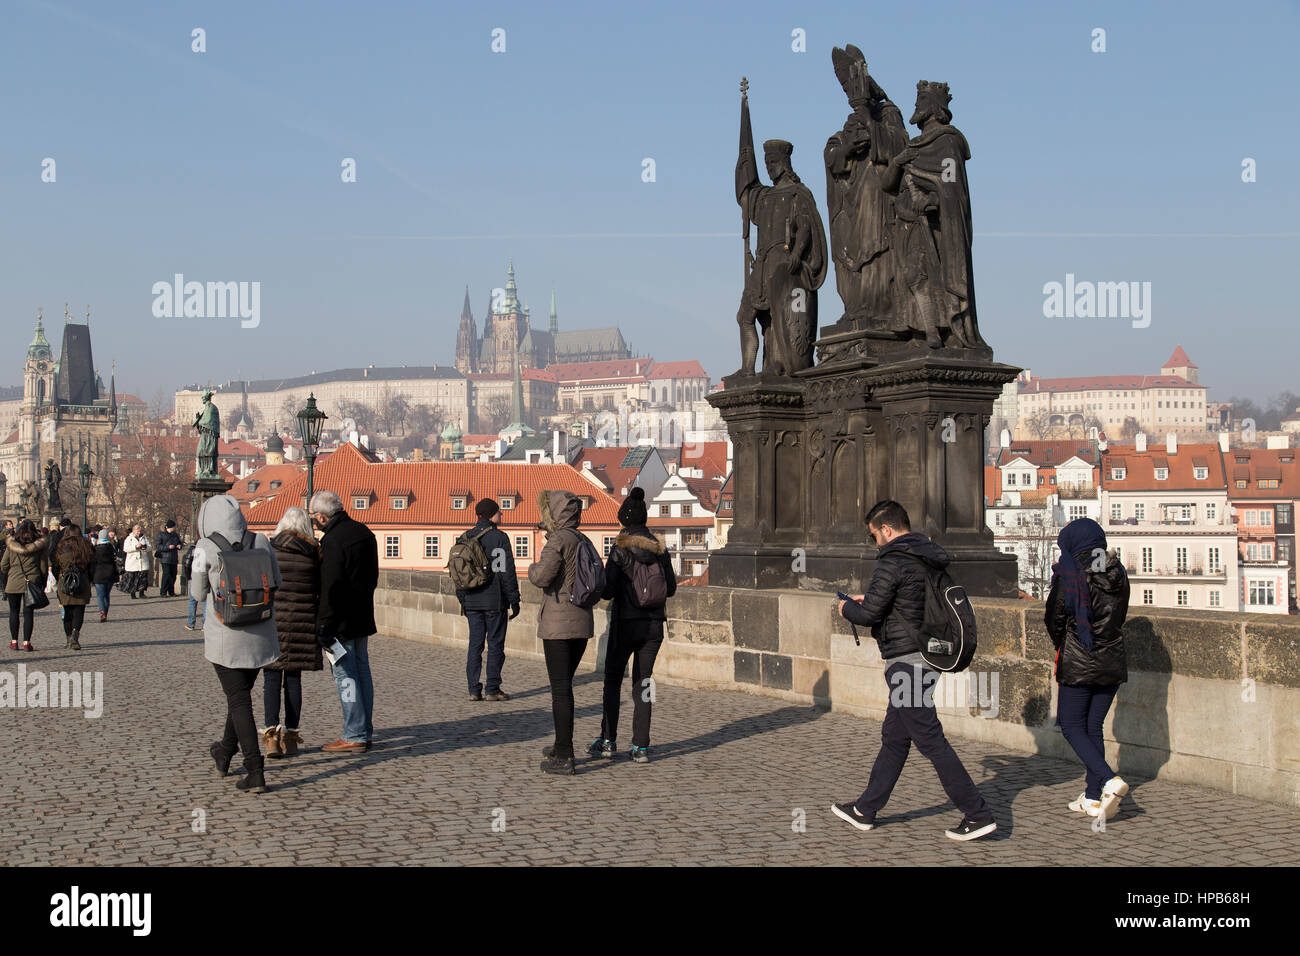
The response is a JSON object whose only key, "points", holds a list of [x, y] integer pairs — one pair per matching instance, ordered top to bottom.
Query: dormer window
{"points": [[1201, 473], [1118, 474], [1162, 474], [276, 484], [253, 486], [398, 502], [458, 502], [359, 503], [507, 504]]}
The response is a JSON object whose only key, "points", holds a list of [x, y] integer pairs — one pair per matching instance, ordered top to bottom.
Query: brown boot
{"points": [[289, 741], [271, 742]]}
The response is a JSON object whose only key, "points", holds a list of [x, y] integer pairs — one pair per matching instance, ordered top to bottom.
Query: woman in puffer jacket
{"points": [[298, 555], [1086, 609]]}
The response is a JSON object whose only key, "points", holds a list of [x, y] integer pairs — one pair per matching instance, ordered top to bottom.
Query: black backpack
{"points": [[467, 563], [588, 573], [72, 580], [649, 584], [243, 591], [946, 638]]}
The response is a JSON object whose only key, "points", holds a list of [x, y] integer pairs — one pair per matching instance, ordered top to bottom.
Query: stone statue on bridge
{"points": [[208, 421], [53, 478]]}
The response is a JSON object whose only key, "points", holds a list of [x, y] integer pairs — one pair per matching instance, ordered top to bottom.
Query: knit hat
{"points": [[486, 508], [633, 511], [171, 523], [103, 536]]}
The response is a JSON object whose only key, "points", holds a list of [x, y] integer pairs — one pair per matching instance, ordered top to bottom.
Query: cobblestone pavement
{"points": [[731, 775]]}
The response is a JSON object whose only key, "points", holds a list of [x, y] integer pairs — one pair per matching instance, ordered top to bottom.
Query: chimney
{"points": [[1004, 439], [1223, 442], [1140, 443], [1171, 443], [499, 447], [555, 447], [586, 465]]}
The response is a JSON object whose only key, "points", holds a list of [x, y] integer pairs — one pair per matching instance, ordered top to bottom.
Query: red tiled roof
{"points": [[1179, 359], [619, 369], [687, 369], [478, 439], [1050, 453], [708, 456], [1266, 463], [605, 464], [1140, 473], [264, 476], [432, 484], [992, 484], [706, 490]]}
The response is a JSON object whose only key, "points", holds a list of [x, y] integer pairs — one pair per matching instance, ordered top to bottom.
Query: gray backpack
{"points": [[243, 582]]}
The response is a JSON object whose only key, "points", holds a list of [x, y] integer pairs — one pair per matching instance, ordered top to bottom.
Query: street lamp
{"points": [[310, 420], [84, 474], [4, 491]]}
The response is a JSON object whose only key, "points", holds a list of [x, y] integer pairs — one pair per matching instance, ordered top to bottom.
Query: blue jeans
{"points": [[102, 592], [194, 607], [486, 627], [356, 690], [1080, 712]]}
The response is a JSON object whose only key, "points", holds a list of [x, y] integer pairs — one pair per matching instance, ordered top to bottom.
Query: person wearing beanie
{"points": [[167, 545], [104, 573], [639, 580], [485, 607]]}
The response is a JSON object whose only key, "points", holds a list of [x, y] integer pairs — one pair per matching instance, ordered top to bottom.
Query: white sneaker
{"points": [[1112, 792], [1082, 804]]}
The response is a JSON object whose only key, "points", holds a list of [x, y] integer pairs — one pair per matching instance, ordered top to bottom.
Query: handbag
{"points": [[36, 597]]}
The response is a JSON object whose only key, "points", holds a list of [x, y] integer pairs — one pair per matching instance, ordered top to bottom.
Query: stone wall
{"points": [[1213, 698]]}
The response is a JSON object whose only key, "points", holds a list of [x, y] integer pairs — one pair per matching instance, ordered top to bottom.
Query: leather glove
{"points": [[514, 611]]}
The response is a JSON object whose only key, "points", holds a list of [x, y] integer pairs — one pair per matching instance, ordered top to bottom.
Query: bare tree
{"points": [[494, 414], [1038, 425]]}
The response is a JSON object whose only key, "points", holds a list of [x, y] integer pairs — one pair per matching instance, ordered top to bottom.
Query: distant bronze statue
{"points": [[933, 207], [862, 220], [788, 265], [208, 421], [53, 478]]}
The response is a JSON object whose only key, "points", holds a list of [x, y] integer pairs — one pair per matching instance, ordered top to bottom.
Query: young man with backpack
{"points": [[482, 567], [907, 568], [572, 578], [639, 580]]}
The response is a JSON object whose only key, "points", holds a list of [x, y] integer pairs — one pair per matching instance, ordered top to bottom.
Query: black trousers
{"points": [[167, 584], [28, 615], [73, 617], [485, 628], [638, 641], [562, 657], [291, 681], [241, 731]]}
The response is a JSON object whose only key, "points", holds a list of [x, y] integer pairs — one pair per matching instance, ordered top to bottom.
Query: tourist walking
{"points": [[167, 545], [136, 547], [25, 563], [72, 563], [185, 563], [104, 574], [349, 574], [639, 580], [187, 585], [296, 604], [1087, 605], [485, 606], [894, 608], [564, 627], [237, 653]]}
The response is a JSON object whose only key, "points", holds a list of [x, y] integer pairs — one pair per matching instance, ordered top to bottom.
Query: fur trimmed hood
{"points": [[558, 509], [639, 544], [27, 550]]}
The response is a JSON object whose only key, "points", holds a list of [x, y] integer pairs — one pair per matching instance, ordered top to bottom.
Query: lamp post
{"points": [[310, 420], [84, 474], [4, 491]]}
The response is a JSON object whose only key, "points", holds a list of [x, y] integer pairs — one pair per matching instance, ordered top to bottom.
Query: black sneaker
{"points": [[600, 747], [548, 751], [639, 754], [221, 760], [553, 764], [849, 813], [970, 829]]}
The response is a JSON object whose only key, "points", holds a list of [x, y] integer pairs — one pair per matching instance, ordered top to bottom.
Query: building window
{"points": [[1201, 473], [1117, 474], [1162, 474], [1241, 484], [253, 486], [399, 503], [507, 503], [360, 504], [458, 504], [686, 509], [1078, 511], [1116, 511], [1140, 511], [1210, 511], [1283, 514], [997, 519], [1252, 519], [1266, 519], [608, 544], [521, 545], [392, 546], [431, 546], [1180, 557], [1148, 560], [1215, 561], [1262, 594], [1148, 596], [1182, 597], [1214, 599]]}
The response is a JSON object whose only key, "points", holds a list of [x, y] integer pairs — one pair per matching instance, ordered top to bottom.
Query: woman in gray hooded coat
{"points": [[237, 653]]}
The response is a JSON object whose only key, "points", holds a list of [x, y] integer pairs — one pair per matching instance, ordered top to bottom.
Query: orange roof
{"points": [[1179, 359], [619, 369], [687, 369], [486, 439], [1048, 453], [708, 456], [1263, 463], [606, 464], [1140, 468], [263, 477], [431, 484], [992, 484], [706, 491]]}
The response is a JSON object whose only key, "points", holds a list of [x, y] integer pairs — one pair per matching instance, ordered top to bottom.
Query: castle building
{"points": [[507, 331]]}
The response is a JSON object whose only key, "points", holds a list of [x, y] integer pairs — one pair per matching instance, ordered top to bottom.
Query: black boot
{"points": [[76, 639], [221, 758], [558, 765], [254, 781]]}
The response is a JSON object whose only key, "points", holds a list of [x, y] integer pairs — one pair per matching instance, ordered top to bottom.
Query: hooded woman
{"points": [[73, 552], [25, 561], [104, 574], [639, 580], [296, 603], [1086, 609], [563, 626], [237, 653]]}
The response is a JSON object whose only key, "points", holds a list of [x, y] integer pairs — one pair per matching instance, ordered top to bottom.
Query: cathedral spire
{"points": [[555, 320], [40, 347]]}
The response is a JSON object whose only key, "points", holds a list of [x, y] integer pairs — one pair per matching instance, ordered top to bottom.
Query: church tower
{"points": [[467, 340], [38, 384]]}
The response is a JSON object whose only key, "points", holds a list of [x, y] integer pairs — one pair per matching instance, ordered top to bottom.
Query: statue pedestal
{"points": [[814, 451], [201, 489]]}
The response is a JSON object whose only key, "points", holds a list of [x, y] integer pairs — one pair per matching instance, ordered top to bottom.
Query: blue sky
{"points": [[225, 166]]}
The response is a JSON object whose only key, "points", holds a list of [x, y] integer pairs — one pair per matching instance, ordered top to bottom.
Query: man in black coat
{"points": [[167, 545], [349, 574], [485, 607], [894, 609]]}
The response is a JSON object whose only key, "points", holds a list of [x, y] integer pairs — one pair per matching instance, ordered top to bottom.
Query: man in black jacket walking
{"points": [[167, 545], [349, 574], [485, 607], [894, 609]]}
